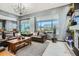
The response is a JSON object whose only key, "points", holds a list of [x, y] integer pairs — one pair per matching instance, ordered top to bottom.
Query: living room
{"points": [[35, 29]]}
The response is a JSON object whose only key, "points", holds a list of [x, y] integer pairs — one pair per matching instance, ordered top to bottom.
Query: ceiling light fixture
{"points": [[20, 9]]}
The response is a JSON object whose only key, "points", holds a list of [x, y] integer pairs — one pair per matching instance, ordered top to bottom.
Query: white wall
{"points": [[37, 7], [46, 17]]}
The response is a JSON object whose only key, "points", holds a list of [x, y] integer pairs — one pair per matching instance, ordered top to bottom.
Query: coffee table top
{"points": [[18, 40], [14, 41]]}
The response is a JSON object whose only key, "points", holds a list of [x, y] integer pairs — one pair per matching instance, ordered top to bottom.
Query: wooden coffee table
{"points": [[16, 44]]}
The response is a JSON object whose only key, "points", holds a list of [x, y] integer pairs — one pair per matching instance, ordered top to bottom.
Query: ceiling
{"points": [[30, 7]]}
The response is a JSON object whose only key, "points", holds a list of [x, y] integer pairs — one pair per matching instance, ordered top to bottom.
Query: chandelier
{"points": [[20, 9]]}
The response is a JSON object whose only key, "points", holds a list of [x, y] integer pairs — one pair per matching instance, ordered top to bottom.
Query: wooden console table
{"points": [[16, 44]]}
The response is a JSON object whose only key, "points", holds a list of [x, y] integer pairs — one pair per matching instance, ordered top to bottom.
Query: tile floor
{"points": [[56, 49]]}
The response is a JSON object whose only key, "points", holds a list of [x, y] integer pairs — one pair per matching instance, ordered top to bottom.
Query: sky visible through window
{"points": [[46, 25], [10, 26], [25, 26]]}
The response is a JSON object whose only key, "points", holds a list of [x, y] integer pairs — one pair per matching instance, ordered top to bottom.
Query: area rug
{"points": [[36, 49]]}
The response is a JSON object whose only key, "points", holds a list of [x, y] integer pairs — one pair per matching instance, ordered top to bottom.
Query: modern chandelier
{"points": [[20, 9]]}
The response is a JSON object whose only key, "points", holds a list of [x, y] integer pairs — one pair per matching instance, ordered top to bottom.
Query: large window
{"points": [[10, 25], [46, 25], [25, 26]]}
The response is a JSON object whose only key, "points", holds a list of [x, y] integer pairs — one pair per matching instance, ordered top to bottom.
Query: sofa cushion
{"points": [[41, 34]]}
